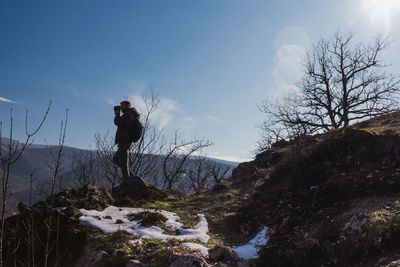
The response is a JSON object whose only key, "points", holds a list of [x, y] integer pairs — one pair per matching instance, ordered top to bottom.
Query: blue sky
{"points": [[211, 62]]}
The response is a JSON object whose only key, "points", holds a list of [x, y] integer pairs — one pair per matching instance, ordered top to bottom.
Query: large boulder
{"points": [[136, 188]]}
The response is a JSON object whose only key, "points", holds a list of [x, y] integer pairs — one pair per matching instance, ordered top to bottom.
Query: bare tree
{"points": [[342, 82], [151, 143], [10, 153], [105, 153], [178, 153], [55, 170], [84, 171], [218, 172], [199, 175]]}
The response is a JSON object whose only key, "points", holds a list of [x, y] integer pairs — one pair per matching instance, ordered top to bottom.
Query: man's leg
{"points": [[123, 155], [115, 158]]}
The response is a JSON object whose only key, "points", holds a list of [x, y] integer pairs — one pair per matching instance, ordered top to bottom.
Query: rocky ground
{"points": [[331, 199]]}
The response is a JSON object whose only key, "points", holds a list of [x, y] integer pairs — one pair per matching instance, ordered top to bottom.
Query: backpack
{"points": [[136, 128]]}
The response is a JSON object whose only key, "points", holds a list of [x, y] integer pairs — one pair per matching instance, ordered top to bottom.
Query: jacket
{"points": [[123, 123]]}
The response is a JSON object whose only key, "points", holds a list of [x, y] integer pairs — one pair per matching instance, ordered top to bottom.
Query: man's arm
{"points": [[117, 119], [121, 120]]}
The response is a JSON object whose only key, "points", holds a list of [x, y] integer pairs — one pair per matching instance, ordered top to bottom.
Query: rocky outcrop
{"points": [[87, 197], [331, 202]]}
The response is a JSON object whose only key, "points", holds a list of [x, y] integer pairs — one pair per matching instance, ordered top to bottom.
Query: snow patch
{"points": [[114, 218], [203, 250], [250, 250]]}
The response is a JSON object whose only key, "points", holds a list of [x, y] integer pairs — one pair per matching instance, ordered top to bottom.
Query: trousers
{"points": [[121, 158]]}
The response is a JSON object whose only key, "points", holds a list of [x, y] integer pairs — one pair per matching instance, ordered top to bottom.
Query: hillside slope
{"points": [[332, 199]]}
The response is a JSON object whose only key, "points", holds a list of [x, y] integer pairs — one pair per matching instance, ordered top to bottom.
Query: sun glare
{"points": [[380, 11]]}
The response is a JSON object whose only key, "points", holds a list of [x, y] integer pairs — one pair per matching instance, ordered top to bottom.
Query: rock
{"points": [[243, 170], [133, 187], [87, 197], [71, 211], [356, 223], [222, 253], [91, 254], [93, 258], [188, 261], [135, 263], [242, 263]]}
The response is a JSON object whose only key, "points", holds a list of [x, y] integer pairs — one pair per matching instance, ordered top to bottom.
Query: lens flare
{"points": [[380, 11]]}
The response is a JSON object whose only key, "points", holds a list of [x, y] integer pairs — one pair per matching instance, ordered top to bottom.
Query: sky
{"points": [[210, 62]]}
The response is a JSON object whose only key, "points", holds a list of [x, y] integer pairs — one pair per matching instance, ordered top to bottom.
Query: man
{"points": [[122, 137]]}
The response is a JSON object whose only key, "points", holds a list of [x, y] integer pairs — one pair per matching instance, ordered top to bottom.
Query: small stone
{"points": [[188, 261], [135, 263]]}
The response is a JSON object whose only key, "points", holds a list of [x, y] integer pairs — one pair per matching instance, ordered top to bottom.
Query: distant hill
{"points": [[36, 159]]}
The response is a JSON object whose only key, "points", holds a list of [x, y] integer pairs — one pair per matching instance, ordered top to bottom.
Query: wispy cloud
{"points": [[3, 99], [110, 101], [164, 113], [213, 119]]}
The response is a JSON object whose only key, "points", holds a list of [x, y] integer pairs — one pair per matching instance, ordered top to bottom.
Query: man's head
{"points": [[125, 105]]}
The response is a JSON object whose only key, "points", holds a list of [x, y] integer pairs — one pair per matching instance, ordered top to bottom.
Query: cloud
{"points": [[291, 44], [74, 90], [9, 100], [111, 101], [164, 113], [213, 119]]}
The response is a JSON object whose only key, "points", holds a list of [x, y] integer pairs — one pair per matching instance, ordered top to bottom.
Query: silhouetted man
{"points": [[123, 137]]}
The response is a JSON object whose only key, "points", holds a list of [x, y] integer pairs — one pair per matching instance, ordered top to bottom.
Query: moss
{"points": [[228, 184], [158, 205], [98, 207], [74, 219], [99, 236], [152, 243], [126, 250]]}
